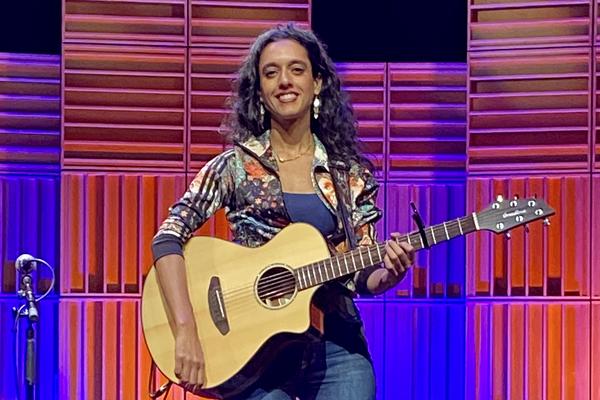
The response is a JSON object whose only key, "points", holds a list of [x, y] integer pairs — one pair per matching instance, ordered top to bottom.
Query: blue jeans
{"points": [[324, 370]]}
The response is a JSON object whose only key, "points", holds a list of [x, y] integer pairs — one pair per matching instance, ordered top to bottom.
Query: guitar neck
{"points": [[365, 256]]}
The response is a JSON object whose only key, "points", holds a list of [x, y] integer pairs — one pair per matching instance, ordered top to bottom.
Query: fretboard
{"points": [[365, 256]]}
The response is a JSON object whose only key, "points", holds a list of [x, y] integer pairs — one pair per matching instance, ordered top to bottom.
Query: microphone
{"points": [[25, 263]]}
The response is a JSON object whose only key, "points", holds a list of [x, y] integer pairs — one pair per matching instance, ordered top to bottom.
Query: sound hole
{"points": [[276, 287]]}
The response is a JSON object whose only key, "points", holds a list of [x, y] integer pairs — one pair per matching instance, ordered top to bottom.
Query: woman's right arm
{"points": [[189, 359]]}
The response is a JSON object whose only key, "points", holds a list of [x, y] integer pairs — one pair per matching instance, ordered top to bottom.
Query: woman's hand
{"points": [[398, 258], [189, 358]]}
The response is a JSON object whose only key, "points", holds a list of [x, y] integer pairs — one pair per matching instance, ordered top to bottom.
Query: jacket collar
{"points": [[260, 147]]}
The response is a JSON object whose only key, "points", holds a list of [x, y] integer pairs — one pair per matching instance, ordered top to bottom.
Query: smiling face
{"points": [[287, 85]]}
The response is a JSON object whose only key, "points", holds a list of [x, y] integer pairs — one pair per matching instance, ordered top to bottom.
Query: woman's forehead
{"points": [[282, 52]]}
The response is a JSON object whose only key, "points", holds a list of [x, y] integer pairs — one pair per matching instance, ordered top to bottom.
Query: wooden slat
{"points": [[128, 22], [235, 24], [514, 24], [211, 74], [365, 84], [124, 107], [529, 110], [29, 112], [427, 119], [595, 236], [556, 258], [438, 272], [548, 342]]}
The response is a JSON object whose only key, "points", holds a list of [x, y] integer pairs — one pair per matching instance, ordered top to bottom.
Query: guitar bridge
{"points": [[216, 306]]}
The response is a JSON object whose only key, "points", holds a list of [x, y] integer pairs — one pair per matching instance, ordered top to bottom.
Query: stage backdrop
{"points": [[97, 144]]}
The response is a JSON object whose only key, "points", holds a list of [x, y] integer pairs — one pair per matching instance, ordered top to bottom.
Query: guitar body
{"points": [[241, 322]]}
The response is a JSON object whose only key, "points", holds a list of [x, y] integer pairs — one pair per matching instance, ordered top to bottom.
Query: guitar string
{"points": [[342, 258], [274, 279]]}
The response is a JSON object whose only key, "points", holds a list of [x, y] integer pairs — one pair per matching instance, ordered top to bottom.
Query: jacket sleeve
{"points": [[364, 188], [209, 191]]}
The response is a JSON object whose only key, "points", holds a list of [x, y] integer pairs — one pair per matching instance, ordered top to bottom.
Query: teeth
{"points": [[287, 97]]}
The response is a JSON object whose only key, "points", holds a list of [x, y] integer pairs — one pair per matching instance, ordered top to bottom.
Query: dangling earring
{"points": [[316, 107], [261, 110]]}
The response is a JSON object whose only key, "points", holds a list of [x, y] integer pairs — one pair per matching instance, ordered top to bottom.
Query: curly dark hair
{"points": [[336, 126]]}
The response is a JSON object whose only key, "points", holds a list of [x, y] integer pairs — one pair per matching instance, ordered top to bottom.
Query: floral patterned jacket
{"points": [[244, 180]]}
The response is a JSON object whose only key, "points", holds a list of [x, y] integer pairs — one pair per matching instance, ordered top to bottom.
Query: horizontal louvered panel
{"points": [[125, 22], [235, 24], [506, 24], [211, 74], [365, 84], [124, 107], [529, 110], [29, 112], [427, 119], [596, 135], [108, 222], [29, 223], [595, 235], [545, 261], [438, 272], [46, 343], [528, 350], [424, 351]]}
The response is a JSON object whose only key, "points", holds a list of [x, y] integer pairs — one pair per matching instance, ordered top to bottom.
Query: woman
{"points": [[290, 121]]}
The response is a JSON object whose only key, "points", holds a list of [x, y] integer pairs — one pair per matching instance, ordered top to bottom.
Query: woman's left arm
{"points": [[399, 256]]}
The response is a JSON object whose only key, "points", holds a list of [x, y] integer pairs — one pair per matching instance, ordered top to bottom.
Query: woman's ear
{"points": [[318, 84]]}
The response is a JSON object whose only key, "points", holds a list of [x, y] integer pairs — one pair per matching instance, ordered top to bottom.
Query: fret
{"points": [[475, 221], [460, 227], [446, 229], [433, 235], [408, 239], [421, 239], [369, 253], [379, 253], [361, 257], [352, 258], [346, 262], [339, 266], [326, 268], [314, 273], [320, 273], [303, 277]]}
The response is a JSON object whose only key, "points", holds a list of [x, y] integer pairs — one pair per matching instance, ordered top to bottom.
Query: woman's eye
{"points": [[298, 70], [270, 74]]}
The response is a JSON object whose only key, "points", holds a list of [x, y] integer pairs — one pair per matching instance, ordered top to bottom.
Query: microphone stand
{"points": [[31, 312]]}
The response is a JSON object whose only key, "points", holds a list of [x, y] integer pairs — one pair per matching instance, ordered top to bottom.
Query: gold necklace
{"points": [[284, 160]]}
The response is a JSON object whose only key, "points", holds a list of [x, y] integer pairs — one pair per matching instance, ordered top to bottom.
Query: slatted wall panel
{"points": [[128, 22], [235, 24], [511, 24], [211, 74], [366, 86], [124, 107], [529, 110], [596, 110], [29, 112], [427, 119], [108, 221], [29, 223], [595, 235], [552, 261], [438, 272], [373, 315], [47, 348], [528, 350], [425, 351], [595, 364]]}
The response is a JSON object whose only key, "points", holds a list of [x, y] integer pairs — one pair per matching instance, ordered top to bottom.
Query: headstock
{"points": [[503, 215]]}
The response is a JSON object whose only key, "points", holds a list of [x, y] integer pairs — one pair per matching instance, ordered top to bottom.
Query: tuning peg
{"points": [[516, 197], [499, 198], [546, 222], [507, 234]]}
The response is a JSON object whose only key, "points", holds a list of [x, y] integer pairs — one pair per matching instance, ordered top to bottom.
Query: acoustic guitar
{"points": [[248, 302]]}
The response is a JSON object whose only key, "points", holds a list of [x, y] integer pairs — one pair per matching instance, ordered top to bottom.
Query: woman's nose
{"points": [[284, 78]]}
